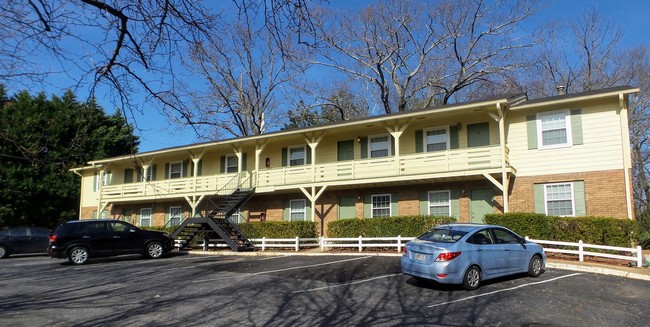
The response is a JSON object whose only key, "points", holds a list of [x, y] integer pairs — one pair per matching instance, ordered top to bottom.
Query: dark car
{"points": [[22, 240], [79, 240]]}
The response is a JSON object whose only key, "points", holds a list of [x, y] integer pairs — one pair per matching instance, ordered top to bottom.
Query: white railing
{"points": [[327, 242], [295, 243], [636, 254]]}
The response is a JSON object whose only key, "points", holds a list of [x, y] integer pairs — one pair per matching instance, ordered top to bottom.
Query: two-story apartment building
{"points": [[567, 155]]}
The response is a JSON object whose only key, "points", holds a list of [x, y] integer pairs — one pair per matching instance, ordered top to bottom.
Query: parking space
{"points": [[299, 290]]}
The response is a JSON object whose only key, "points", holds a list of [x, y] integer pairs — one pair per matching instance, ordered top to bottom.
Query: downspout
{"points": [[502, 144], [627, 161]]}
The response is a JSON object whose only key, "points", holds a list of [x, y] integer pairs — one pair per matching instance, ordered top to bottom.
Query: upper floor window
{"points": [[554, 129], [436, 139], [379, 146], [296, 156], [232, 164], [176, 169], [559, 199], [440, 203], [381, 205], [297, 210]]}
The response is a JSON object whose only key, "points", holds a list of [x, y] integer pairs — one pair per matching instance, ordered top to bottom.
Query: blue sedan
{"points": [[470, 253]]}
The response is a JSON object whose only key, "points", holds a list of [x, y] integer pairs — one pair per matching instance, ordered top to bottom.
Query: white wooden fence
{"points": [[636, 254]]}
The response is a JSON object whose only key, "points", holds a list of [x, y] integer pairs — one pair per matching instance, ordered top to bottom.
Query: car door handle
{"points": [[115, 236], [86, 237]]}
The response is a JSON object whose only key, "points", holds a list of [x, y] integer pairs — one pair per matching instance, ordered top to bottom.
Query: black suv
{"points": [[19, 240], [79, 240]]}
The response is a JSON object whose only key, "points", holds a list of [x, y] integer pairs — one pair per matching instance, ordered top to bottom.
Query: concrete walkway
{"points": [[642, 273]]}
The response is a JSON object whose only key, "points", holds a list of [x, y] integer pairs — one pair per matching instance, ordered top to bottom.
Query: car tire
{"points": [[154, 250], [3, 252], [78, 255], [535, 266], [472, 278]]}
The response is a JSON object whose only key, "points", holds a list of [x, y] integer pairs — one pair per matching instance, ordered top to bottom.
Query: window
{"points": [[554, 129], [436, 139], [379, 146], [297, 156], [232, 164], [176, 169], [148, 173], [107, 178], [96, 182], [559, 199], [440, 203], [380, 205], [297, 210], [175, 215], [145, 217], [118, 227], [505, 237]]}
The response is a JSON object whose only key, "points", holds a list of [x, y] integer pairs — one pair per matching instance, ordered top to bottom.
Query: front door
{"points": [[478, 134], [345, 150], [480, 203]]}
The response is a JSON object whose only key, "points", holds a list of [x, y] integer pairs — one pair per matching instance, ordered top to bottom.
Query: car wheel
{"points": [[154, 250], [3, 252], [78, 255], [535, 266], [472, 278]]}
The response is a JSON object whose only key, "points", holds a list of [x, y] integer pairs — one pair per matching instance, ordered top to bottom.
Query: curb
{"points": [[549, 264]]}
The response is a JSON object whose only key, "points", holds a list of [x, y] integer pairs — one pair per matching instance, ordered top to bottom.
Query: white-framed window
{"points": [[554, 129], [436, 139], [379, 146], [297, 155], [232, 164], [176, 169], [148, 174], [107, 177], [97, 182], [558, 199], [440, 203], [380, 204], [297, 210], [175, 216], [145, 217]]}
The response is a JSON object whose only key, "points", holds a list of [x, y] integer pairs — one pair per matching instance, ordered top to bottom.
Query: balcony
{"points": [[469, 161]]}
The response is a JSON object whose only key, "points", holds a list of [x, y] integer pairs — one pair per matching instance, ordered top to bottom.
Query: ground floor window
{"points": [[559, 199], [440, 203], [380, 205], [297, 210], [175, 216], [145, 217]]}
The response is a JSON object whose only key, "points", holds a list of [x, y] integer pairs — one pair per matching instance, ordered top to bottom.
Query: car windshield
{"points": [[442, 235]]}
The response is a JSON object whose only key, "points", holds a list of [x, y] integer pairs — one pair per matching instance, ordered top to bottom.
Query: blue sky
{"points": [[631, 16]]}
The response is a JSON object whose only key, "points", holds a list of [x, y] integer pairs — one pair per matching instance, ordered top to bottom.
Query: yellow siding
{"points": [[601, 148], [88, 197]]}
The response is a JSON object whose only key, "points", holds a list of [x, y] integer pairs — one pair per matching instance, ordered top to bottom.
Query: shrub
{"points": [[384, 227], [279, 229]]}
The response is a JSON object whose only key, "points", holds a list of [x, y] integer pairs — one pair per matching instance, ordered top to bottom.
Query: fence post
{"points": [[263, 243], [297, 243], [322, 243], [360, 243], [399, 243], [581, 254], [639, 257]]}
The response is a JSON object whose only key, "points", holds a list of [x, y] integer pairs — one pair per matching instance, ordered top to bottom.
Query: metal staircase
{"points": [[216, 227]]}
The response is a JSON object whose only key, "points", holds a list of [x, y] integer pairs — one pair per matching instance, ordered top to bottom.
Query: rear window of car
{"points": [[442, 235]]}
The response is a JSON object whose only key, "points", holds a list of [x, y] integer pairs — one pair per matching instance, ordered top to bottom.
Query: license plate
{"points": [[420, 256]]}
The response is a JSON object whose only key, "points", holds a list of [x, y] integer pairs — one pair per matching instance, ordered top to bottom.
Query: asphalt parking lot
{"points": [[194, 290]]}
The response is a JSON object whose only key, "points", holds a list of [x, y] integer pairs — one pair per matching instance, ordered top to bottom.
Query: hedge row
{"points": [[378, 227], [279, 229], [593, 230]]}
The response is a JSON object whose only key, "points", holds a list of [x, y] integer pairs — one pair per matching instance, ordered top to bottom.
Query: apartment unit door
{"points": [[478, 134], [480, 203]]}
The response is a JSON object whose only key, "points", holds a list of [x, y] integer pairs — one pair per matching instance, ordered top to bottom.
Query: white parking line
{"points": [[278, 270], [347, 284], [503, 290]]}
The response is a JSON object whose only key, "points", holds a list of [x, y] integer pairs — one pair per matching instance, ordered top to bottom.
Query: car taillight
{"points": [[52, 238], [405, 251], [447, 256]]}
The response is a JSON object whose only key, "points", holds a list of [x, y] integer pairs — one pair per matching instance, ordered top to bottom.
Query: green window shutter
{"points": [[576, 126], [531, 129], [419, 140], [454, 142], [392, 145], [364, 147], [308, 155], [284, 157], [243, 161], [222, 164], [186, 167], [199, 168], [167, 170], [153, 172], [128, 175], [138, 175], [95, 177], [579, 198], [424, 203], [455, 203], [394, 205], [367, 206], [540, 206], [287, 210], [307, 210], [94, 214]]}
